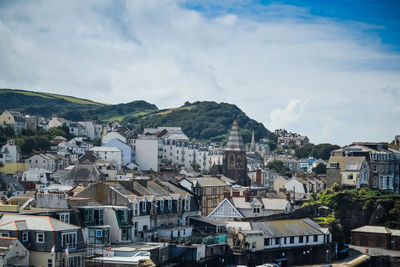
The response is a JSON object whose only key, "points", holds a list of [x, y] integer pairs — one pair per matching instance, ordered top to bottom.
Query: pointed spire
{"points": [[235, 141], [253, 143]]}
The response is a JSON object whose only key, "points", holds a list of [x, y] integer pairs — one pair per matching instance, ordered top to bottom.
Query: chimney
{"points": [[258, 176], [227, 194], [247, 194], [287, 196]]}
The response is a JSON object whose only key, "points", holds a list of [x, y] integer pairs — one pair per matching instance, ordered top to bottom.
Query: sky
{"points": [[326, 69]]}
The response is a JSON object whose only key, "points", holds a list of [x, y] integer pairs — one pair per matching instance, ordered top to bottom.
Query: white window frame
{"points": [[187, 203], [64, 217], [38, 235], [74, 237]]}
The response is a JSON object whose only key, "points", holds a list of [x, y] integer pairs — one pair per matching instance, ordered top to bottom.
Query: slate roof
{"points": [[235, 141], [348, 163], [84, 173], [207, 181], [274, 203], [39, 223], [282, 228]]}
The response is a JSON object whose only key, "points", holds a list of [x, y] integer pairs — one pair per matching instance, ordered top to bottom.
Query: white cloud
{"points": [[163, 53], [289, 116]]}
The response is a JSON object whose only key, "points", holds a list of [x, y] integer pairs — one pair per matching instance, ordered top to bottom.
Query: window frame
{"points": [[43, 236]]}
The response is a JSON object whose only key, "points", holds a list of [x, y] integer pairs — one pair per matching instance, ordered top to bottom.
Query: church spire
{"points": [[235, 141], [253, 143]]}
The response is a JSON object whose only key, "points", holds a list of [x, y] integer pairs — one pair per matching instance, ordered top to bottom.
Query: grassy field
{"points": [[52, 96]]}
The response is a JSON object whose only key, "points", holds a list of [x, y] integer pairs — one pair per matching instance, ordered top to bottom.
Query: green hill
{"points": [[68, 107], [203, 121]]}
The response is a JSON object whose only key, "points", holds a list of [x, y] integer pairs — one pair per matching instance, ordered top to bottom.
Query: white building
{"points": [[113, 135], [148, 152], [10, 153], [111, 154], [37, 175]]}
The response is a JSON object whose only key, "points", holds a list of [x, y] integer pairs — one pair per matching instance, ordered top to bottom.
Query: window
{"points": [[350, 177], [214, 191], [162, 204], [169, 204], [179, 204], [187, 204], [144, 205], [136, 209], [256, 209], [88, 215], [123, 215], [64, 217], [136, 228], [5, 234], [126, 234], [24, 236], [98, 236], [39, 237], [315, 238], [68, 239], [291, 239], [301, 239], [306, 239], [284, 240], [267, 241], [277, 241], [75, 261], [50, 263]]}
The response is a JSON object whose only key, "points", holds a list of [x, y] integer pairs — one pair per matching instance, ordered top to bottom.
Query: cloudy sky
{"points": [[326, 69]]}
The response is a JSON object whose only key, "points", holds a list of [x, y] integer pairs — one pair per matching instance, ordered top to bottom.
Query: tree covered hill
{"points": [[203, 121]]}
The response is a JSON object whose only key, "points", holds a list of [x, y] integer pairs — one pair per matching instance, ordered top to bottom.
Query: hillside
{"points": [[68, 107], [203, 121]]}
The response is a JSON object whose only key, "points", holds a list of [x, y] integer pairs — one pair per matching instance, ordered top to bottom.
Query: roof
{"points": [[235, 141], [105, 148], [348, 163], [84, 172], [7, 180], [207, 181], [274, 203], [208, 220], [39, 223], [282, 228], [372, 229]]}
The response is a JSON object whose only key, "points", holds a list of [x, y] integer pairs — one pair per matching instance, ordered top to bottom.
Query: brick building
{"points": [[376, 236]]}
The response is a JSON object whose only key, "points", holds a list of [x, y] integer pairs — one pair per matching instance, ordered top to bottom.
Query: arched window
{"points": [[231, 161]]}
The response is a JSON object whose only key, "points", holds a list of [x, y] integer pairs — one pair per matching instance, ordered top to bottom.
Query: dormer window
{"points": [[187, 203], [162, 204], [170, 204], [144, 205], [136, 209], [256, 210]]}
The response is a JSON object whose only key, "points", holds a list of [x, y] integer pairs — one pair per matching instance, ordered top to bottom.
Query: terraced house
{"points": [[39, 234]]}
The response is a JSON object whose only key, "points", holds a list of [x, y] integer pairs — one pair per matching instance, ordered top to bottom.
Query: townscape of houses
{"points": [[155, 197]]}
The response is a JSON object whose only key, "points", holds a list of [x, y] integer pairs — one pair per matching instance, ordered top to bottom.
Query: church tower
{"points": [[253, 143], [235, 163]]}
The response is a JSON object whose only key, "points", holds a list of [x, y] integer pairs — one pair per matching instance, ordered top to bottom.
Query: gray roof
{"points": [[235, 141], [84, 173], [7, 180], [207, 181], [39, 223], [282, 228], [372, 229]]}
